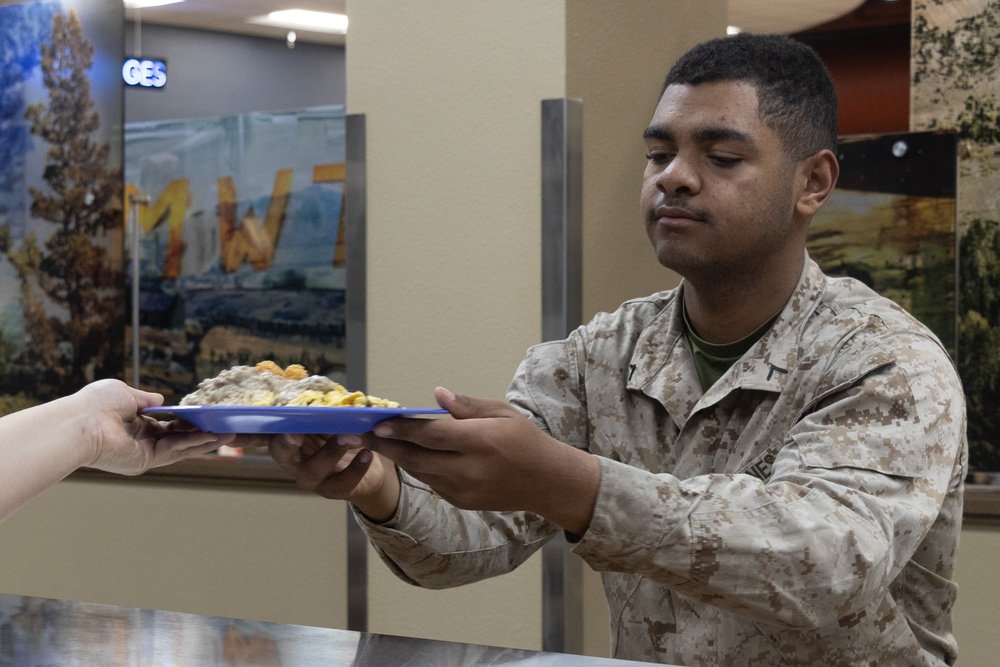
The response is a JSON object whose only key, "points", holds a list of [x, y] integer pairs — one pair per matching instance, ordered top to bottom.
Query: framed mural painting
{"points": [[955, 87], [892, 223], [237, 249], [62, 305]]}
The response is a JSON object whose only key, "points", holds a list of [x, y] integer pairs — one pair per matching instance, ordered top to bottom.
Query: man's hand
{"points": [[490, 457], [322, 465]]}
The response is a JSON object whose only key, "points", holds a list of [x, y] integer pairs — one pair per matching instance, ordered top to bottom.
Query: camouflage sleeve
{"points": [[548, 388], [858, 483], [433, 544]]}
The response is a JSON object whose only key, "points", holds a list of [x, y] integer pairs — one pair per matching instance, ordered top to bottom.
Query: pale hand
{"points": [[119, 439]]}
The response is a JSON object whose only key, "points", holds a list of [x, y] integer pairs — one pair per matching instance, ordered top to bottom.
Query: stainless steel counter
{"points": [[39, 632]]}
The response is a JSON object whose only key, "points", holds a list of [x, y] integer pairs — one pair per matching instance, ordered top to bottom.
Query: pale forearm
{"points": [[100, 426], [38, 447]]}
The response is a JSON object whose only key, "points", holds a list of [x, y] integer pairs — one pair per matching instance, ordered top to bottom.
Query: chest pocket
{"points": [[869, 423], [763, 465]]}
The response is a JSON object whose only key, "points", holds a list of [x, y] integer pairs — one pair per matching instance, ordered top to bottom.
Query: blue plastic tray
{"points": [[286, 419]]}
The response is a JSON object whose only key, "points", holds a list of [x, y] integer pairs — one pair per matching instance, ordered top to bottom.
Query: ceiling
{"points": [[231, 16], [784, 16], [787, 16]]}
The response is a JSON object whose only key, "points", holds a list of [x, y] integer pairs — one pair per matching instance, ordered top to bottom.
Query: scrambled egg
{"points": [[340, 397]]}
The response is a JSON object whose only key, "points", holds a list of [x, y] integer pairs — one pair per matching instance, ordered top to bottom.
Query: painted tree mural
{"points": [[956, 87], [71, 286], [979, 340]]}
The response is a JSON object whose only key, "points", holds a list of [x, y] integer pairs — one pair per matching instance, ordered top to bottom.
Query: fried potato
{"points": [[269, 366], [296, 372]]}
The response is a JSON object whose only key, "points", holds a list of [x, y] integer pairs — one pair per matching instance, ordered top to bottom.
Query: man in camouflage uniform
{"points": [[765, 463]]}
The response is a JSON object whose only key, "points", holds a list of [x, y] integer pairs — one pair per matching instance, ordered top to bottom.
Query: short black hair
{"points": [[796, 96]]}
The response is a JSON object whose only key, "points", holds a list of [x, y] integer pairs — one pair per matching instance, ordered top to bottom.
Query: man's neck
{"points": [[724, 311]]}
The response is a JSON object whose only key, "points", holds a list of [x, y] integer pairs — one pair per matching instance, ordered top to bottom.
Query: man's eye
{"points": [[658, 158], [725, 160]]}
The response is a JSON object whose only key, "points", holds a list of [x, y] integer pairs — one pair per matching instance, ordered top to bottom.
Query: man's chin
{"points": [[684, 264]]}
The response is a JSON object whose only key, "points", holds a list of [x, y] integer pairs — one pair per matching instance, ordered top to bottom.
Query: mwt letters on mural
{"points": [[236, 224]]}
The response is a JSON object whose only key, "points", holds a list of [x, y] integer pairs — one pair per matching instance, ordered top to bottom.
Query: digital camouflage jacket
{"points": [[806, 510]]}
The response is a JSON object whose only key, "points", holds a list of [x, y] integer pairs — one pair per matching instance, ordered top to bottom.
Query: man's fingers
{"points": [[468, 407], [432, 432], [439, 433], [312, 443], [290, 449], [399, 452], [284, 454], [413, 455], [312, 469], [334, 471], [338, 485]]}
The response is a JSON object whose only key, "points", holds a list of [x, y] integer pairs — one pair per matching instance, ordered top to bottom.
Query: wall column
{"points": [[451, 91]]}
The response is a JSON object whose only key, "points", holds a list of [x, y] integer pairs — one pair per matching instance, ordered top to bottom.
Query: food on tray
{"points": [[267, 383]]}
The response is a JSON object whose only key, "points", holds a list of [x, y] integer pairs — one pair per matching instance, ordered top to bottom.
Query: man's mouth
{"points": [[668, 213]]}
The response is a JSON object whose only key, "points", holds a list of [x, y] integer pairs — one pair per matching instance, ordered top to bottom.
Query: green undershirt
{"points": [[712, 361]]}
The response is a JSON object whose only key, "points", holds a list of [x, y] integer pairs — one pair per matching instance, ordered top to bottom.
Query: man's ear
{"points": [[818, 174]]}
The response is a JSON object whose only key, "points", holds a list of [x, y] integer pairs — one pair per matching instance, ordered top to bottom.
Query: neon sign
{"points": [[145, 73]]}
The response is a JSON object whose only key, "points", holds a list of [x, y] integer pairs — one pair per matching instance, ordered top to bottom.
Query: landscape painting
{"points": [[955, 87], [891, 223], [236, 239], [62, 299]]}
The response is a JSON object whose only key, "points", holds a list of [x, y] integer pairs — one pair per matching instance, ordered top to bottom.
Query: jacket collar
{"points": [[664, 366]]}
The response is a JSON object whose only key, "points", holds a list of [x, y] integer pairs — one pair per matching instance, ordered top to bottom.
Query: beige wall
{"points": [[617, 57], [454, 224], [453, 240], [271, 556], [976, 618]]}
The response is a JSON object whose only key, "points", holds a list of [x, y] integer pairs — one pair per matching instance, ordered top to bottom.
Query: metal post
{"points": [[133, 228], [355, 237], [562, 311]]}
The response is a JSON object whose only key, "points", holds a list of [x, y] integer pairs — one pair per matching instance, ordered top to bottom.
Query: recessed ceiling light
{"points": [[139, 4], [304, 19], [733, 30]]}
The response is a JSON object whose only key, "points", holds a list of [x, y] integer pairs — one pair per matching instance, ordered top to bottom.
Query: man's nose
{"points": [[679, 176]]}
